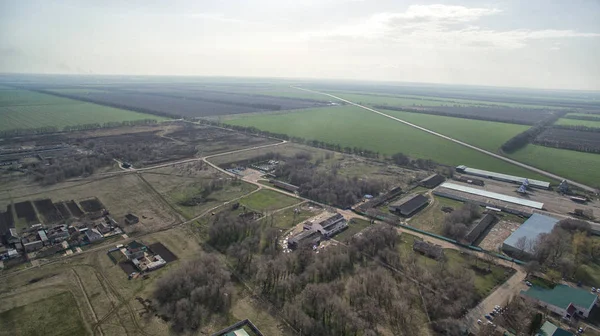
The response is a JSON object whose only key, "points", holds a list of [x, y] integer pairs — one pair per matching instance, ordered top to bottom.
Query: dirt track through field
{"points": [[497, 156]]}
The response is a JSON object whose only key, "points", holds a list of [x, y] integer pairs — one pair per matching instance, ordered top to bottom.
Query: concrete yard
{"points": [[498, 234]]}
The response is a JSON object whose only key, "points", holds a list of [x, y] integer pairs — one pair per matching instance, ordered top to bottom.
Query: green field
{"points": [[76, 91], [25, 109], [577, 122], [356, 127], [488, 135], [578, 166], [268, 200], [53, 316]]}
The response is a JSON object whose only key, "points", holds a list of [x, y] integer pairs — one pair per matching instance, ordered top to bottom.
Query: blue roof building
{"points": [[530, 230]]}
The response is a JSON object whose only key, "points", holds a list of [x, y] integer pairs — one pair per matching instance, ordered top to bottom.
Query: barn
{"points": [[409, 205]]}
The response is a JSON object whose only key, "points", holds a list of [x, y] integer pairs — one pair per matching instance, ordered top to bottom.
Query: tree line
{"points": [[450, 114], [590, 117], [73, 128], [522, 139], [456, 224]]}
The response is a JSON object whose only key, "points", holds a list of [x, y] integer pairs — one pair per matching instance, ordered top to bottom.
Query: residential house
{"points": [[131, 219], [58, 234], [93, 235], [12, 237], [43, 237], [33, 245], [135, 250], [549, 329]]}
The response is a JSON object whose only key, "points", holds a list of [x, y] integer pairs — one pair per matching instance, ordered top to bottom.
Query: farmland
{"points": [[184, 100], [24, 109], [353, 126], [484, 134], [578, 166]]}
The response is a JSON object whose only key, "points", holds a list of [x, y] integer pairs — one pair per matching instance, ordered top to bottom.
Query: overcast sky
{"points": [[533, 43]]}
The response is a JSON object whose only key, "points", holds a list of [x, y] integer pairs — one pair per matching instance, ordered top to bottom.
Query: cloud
{"points": [[439, 26]]}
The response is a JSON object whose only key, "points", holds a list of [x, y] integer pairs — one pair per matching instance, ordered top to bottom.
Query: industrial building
{"points": [[503, 177], [493, 195], [409, 205], [477, 229], [530, 230], [563, 300]]}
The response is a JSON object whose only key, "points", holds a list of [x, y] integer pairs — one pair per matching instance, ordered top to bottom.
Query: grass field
{"points": [[25, 109], [577, 122], [356, 127], [488, 135], [578, 166], [268, 200], [431, 218], [286, 219], [53, 316]]}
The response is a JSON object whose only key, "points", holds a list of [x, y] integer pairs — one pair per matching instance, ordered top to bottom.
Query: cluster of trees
{"points": [[261, 106], [591, 117], [111, 124], [577, 128], [27, 131], [522, 139], [582, 141], [401, 159], [67, 166], [325, 186], [205, 189], [456, 224], [561, 251], [347, 290], [194, 295]]}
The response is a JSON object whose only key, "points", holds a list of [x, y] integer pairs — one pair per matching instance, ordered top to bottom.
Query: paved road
{"points": [[517, 163]]}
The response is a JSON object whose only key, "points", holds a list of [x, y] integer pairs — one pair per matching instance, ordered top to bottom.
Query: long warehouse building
{"points": [[502, 177], [493, 195]]}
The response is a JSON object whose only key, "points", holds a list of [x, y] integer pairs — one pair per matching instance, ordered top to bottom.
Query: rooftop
{"points": [[516, 179], [489, 194], [409, 204], [533, 227], [561, 296], [549, 329]]}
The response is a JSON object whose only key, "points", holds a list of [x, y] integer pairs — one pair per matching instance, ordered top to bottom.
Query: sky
{"points": [[551, 44]]}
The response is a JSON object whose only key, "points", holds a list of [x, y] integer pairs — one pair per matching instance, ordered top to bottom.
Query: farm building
{"points": [[503, 177], [432, 181], [284, 186], [493, 195], [408, 205], [131, 219], [479, 228], [528, 232], [33, 245], [430, 250], [563, 300]]}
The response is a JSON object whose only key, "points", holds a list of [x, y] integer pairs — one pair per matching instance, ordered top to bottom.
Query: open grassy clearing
{"points": [[25, 109], [577, 122], [356, 127], [488, 135], [578, 166], [268, 200], [288, 218], [431, 218], [354, 226], [56, 315]]}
